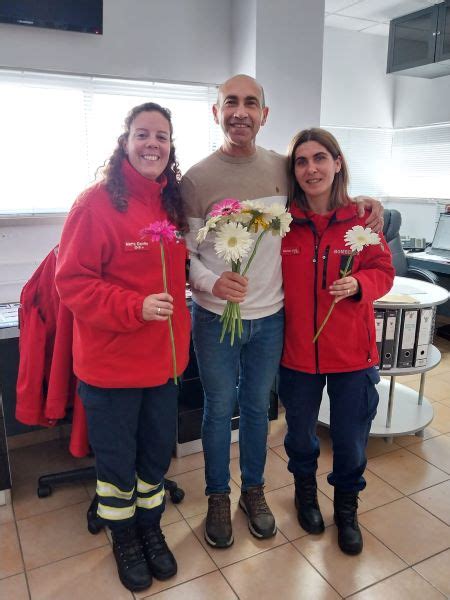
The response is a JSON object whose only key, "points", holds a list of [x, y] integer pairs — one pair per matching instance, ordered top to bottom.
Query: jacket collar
{"points": [[139, 186], [343, 213]]}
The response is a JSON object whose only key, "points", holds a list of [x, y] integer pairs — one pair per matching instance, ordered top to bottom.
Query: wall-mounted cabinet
{"points": [[419, 43]]}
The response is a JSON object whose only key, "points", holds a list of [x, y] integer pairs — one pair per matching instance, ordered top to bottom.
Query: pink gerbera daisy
{"points": [[228, 206], [160, 231]]}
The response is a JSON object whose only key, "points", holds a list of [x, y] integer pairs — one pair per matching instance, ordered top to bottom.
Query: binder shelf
{"points": [[405, 328]]}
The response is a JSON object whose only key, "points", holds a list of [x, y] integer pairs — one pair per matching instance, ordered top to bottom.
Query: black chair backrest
{"points": [[391, 232]]}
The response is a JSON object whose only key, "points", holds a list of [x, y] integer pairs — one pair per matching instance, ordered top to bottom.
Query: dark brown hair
{"points": [[114, 180], [339, 194]]}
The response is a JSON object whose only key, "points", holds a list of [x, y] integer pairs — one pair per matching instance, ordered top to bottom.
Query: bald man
{"points": [[243, 373]]}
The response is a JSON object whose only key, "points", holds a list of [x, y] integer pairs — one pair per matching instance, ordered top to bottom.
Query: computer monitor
{"points": [[441, 240]]}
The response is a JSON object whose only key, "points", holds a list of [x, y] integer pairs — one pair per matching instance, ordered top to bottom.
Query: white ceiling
{"points": [[370, 16]]}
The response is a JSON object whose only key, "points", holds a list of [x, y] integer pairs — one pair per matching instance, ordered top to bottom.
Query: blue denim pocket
{"points": [[202, 315]]}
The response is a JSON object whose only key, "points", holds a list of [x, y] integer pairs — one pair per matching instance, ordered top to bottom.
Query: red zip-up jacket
{"points": [[310, 265], [105, 269], [46, 386]]}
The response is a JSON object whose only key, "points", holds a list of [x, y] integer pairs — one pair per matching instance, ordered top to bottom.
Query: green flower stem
{"points": [[254, 251], [347, 268], [344, 273], [225, 319], [324, 322], [172, 339]]}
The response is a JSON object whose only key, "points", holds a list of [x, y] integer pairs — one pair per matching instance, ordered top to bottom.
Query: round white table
{"points": [[402, 410]]}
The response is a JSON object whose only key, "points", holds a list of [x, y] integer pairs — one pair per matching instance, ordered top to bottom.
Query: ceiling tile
{"points": [[332, 6], [383, 10], [347, 23], [379, 29]]}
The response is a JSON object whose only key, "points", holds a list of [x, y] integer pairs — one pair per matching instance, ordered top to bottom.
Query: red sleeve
{"points": [[84, 244], [376, 273]]}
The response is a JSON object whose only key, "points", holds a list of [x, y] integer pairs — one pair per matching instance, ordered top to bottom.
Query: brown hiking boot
{"points": [[261, 521], [218, 531]]}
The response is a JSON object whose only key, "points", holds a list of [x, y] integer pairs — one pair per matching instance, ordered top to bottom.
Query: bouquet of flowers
{"points": [[233, 222], [164, 232], [357, 238]]}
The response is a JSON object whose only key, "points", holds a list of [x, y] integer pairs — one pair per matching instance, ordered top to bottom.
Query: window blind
{"points": [[58, 129], [367, 152], [420, 165]]}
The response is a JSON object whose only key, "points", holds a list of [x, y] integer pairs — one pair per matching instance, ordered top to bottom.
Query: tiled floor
{"points": [[46, 551]]}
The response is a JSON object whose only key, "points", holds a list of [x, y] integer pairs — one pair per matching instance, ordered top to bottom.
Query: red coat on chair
{"points": [[46, 385]]}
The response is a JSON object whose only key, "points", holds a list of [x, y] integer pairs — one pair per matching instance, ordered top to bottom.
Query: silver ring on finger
{"points": [[348, 291], [158, 312]]}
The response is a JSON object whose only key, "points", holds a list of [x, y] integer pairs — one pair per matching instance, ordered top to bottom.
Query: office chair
{"points": [[391, 232]]}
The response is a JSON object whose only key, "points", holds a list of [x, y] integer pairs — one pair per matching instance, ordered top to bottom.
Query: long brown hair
{"points": [[114, 180], [339, 194]]}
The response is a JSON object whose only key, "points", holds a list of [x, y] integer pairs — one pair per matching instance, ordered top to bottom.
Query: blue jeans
{"points": [[242, 373], [353, 406]]}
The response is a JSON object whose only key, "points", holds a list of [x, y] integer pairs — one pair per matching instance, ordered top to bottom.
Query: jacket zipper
{"points": [[315, 261], [325, 264], [369, 356]]}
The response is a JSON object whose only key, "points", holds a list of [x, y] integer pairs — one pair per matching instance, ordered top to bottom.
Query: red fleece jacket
{"points": [[310, 265], [105, 270]]}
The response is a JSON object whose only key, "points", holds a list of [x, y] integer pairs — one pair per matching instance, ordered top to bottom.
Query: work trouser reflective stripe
{"points": [[105, 489], [149, 495], [115, 504], [115, 513]]}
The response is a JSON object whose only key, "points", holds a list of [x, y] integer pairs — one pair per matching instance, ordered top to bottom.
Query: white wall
{"points": [[243, 36], [177, 40], [185, 40], [289, 42], [356, 92], [421, 101], [24, 242]]}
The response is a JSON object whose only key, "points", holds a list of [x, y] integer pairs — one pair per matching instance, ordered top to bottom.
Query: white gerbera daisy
{"points": [[253, 205], [276, 209], [211, 223], [280, 224], [201, 234], [357, 237], [233, 242]]}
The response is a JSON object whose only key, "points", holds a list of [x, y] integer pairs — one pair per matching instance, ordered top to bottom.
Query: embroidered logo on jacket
{"points": [[136, 246], [291, 250], [346, 251]]}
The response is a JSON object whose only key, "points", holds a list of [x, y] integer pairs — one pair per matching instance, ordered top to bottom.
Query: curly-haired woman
{"points": [[110, 276]]}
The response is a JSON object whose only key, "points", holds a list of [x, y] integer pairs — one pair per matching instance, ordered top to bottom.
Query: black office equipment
{"points": [[85, 16]]}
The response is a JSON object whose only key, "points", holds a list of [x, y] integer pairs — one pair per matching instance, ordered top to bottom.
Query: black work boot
{"points": [[308, 510], [261, 521], [218, 531], [349, 535], [160, 560], [131, 564]]}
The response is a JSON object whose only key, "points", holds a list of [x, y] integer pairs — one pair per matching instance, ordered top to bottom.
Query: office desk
{"points": [[427, 261], [437, 265], [8, 345]]}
